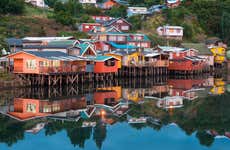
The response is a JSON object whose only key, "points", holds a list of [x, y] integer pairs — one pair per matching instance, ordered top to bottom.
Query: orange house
{"points": [[109, 4], [44, 62], [105, 64], [107, 98], [25, 109]]}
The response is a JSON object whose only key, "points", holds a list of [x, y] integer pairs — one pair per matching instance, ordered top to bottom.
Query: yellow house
{"points": [[219, 54], [119, 57], [128, 57], [219, 87], [134, 95]]}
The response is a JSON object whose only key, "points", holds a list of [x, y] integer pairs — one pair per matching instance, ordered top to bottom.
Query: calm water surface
{"points": [[183, 113]]}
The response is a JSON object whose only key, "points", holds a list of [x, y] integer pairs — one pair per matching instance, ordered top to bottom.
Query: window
{"points": [[87, 27], [124, 27], [112, 38], [121, 38], [56, 63], [110, 63], [31, 64], [31, 108]]}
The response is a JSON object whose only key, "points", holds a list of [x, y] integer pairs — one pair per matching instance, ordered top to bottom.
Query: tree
{"points": [[51, 3], [12, 6], [117, 12], [64, 18], [136, 22]]}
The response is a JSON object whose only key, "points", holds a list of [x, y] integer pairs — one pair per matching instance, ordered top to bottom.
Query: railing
{"points": [[159, 63], [62, 69]]}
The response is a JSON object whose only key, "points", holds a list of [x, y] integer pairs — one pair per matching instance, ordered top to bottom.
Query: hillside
{"points": [[33, 22]]}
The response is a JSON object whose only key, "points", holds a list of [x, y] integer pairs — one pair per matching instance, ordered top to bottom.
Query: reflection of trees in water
{"points": [[211, 113], [10, 131], [99, 135], [78, 136], [205, 138]]}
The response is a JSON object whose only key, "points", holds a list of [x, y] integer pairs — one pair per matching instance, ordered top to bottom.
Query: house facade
{"points": [[88, 1], [37, 3], [173, 3], [131, 11], [101, 19], [120, 23], [86, 27], [171, 32]]}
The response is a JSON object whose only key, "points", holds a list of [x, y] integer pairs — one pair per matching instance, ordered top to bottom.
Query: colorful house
{"points": [[88, 2], [37, 3], [173, 3], [108, 4], [131, 11], [101, 18], [120, 23], [86, 27], [171, 32], [139, 40], [218, 49], [203, 52], [128, 57], [156, 59], [183, 60], [45, 62], [105, 64], [27, 109]]}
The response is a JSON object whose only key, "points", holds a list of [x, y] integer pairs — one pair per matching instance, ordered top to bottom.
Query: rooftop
{"points": [[201, 47], [53, 55]]}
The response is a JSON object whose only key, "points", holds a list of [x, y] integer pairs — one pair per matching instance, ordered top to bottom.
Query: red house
{"points": [[120, 23], [86, 27], [139, 40], [102, 46], [183, 59]]}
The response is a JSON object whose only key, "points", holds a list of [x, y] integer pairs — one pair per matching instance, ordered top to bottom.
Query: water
{"points": [[183, 113]]}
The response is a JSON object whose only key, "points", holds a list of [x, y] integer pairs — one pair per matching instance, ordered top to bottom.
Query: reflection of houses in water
{"points": [[218, 87], [186, 88], [139, 94], [170, 102], [27, 109], [217, 135]]}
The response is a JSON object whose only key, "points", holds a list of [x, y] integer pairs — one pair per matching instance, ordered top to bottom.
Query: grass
{"points": [[32, 11]]}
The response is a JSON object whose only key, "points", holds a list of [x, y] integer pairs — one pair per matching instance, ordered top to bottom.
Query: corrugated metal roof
{"points": [[53, 55]]}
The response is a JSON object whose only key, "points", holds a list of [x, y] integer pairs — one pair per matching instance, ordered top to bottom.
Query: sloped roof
{"points": [[108, 23], [66, 43], [84, 47], [201, 47], [51, 55], [103, 58]]}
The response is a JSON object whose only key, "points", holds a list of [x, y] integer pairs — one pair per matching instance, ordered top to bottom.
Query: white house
{"points": [[88, 1], [38, 3], [131, 11], [171, 32]]}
